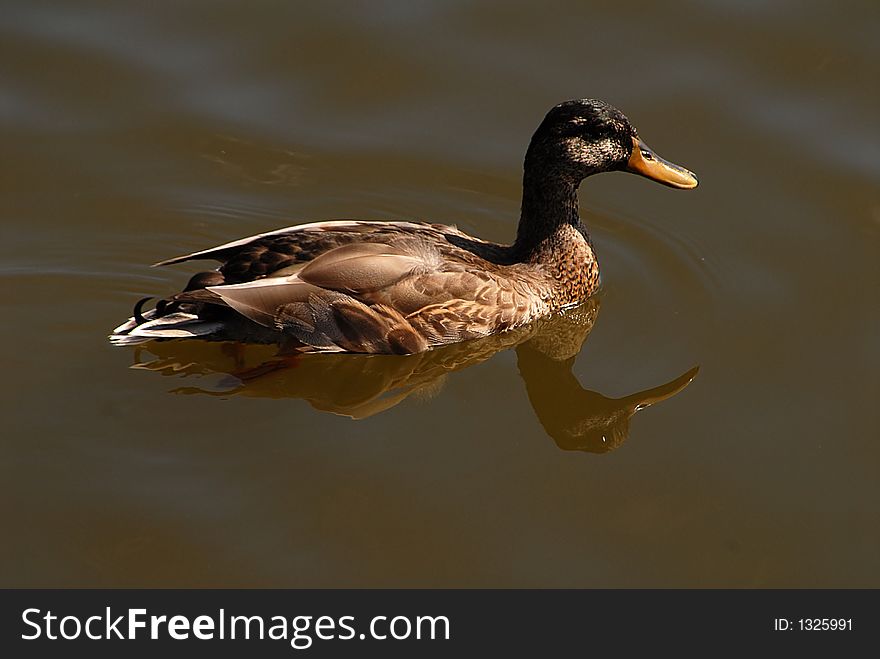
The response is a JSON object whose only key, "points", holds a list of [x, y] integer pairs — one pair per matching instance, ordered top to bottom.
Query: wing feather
{"points": [[360, 268], [259, 300], [326, 305]]}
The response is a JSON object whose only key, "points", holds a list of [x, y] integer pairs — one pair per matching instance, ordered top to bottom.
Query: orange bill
{"points": [[645, 162]]}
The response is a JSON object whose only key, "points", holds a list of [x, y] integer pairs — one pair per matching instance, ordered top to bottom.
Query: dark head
{"points": [[584, 137]]}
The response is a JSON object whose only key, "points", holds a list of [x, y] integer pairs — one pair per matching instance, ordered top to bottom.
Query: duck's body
{"points": [[406, 287]]}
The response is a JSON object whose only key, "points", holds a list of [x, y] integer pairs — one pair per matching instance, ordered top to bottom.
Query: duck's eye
{"points": [[647, 155]]}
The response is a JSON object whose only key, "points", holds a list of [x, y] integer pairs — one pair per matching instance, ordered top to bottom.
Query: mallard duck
{"points": [[407, 287]]}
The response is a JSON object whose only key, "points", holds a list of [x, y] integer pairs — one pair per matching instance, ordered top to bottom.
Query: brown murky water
{"points": [[135, 132]]}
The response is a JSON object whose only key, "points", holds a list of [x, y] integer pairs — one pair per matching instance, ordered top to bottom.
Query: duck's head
{"points": [[583, 137]]}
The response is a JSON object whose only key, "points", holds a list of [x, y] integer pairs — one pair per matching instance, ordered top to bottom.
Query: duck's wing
{"points": [[379, 297], [330, 304]]}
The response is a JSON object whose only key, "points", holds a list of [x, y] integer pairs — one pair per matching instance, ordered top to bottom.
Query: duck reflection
{"points": [[359, 386]]}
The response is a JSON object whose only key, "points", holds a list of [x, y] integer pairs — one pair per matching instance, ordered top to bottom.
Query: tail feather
{"points": [[133, 322], [173, 326]]}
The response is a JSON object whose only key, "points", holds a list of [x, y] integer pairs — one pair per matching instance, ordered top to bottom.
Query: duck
{"points": [[405, 287]]}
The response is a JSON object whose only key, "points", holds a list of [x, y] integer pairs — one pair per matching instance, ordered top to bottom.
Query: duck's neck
{"points": [[549, 210]]}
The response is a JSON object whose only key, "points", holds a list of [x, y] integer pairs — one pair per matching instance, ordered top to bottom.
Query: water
{"points": [[134, 133]]}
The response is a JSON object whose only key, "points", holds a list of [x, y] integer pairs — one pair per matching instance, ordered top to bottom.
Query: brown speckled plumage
{"points": [[406, 287]]}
